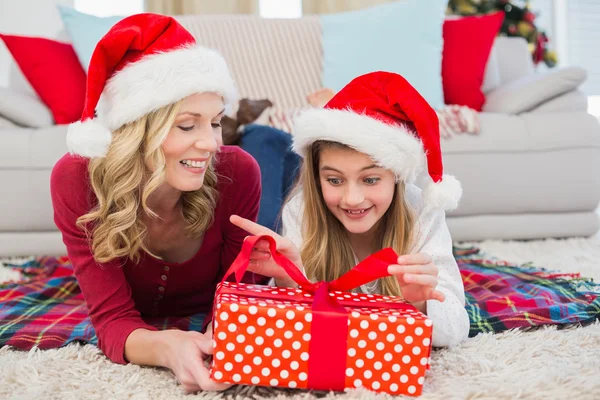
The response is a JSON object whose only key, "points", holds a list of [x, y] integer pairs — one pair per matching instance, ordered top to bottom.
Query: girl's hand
{"points": [[261, 261], [417, 276], [187, 353]]}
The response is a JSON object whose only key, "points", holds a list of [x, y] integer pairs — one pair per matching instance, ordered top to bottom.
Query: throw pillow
{"points": [[85, 31], [403, 37], [467, 45], [54, 72], [530, 91], [24, 109]]}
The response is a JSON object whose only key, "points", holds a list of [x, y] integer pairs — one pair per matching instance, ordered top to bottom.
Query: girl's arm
{"points": [[450, 318]]}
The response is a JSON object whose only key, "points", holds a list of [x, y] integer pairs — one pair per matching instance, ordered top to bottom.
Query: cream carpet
{"points": [[543, 364]]}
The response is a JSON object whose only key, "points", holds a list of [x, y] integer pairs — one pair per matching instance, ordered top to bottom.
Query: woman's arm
{"points": [[104, 286], [122, 334]]}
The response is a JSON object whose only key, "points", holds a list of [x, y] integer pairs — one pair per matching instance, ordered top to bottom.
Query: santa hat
{"points": [[145, 62], [382, 115]]}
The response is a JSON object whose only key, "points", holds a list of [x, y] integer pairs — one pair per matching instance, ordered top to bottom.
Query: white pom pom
{"points": [[88, 139], [443, 195]]}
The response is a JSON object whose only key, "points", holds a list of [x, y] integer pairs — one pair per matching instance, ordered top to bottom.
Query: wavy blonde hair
{"points": [[123, 183], [326, 251]]}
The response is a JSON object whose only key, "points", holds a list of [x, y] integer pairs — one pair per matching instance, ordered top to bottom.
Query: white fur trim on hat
{"points": [[161, 79], [89, 139], [393, 147], [444, 194]]}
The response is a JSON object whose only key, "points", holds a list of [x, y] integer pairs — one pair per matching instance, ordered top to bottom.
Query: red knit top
{"points": [[120, 293]]}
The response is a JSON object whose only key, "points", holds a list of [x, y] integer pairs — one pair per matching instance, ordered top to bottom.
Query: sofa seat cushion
{"points": [[25, 148], [532, 163]]}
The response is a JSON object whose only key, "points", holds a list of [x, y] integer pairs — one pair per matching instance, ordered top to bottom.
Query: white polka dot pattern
{"points": [[386, 347]]}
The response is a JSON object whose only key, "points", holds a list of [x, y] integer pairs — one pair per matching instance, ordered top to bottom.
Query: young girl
{"points": [[363, 155], [143, 200]]}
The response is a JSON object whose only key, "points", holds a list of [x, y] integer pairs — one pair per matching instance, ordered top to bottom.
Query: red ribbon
{"points": [[329, 326]]}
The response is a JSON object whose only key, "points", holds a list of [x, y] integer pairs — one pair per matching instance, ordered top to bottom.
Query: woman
{"points": [[144, 198]]}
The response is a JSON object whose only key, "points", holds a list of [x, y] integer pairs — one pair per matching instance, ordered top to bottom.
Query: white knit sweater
{"points": [[450, 319]]}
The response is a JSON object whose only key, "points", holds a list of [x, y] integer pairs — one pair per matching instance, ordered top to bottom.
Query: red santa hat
{"points": [[146, 61], [382, 115]]}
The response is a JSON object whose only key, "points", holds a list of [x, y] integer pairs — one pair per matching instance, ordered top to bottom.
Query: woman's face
{"points": [[193, 140], [355, 190]]}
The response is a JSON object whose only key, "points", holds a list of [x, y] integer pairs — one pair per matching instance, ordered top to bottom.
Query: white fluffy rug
{"points": [[543, 364]]}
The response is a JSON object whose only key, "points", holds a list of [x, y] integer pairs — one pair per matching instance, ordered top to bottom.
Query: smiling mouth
{"points": [[193, 164], [356, 211]]}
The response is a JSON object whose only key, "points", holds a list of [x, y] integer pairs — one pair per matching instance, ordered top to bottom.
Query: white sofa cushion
{"points": [[532, 163]]}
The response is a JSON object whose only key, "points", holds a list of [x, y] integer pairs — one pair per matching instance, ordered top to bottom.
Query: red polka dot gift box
{"points": [[319, 336]]}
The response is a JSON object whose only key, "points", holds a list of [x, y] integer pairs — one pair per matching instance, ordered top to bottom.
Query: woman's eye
{"points": [[216, 125], [186, 128], [334, 181], [371, 181]]}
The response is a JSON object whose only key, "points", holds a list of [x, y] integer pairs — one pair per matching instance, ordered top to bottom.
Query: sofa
{"points": [[530, 172]]}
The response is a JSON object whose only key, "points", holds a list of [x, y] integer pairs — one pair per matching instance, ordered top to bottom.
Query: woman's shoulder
{"points": [[234, 160], [235, 166], [70, 171], [70, 186]]}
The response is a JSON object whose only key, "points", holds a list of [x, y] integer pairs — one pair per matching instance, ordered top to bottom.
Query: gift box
{"points": [[318, 336]]}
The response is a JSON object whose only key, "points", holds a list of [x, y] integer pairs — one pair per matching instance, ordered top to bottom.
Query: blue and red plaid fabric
{"points": [[502, 296], [47, 309]]}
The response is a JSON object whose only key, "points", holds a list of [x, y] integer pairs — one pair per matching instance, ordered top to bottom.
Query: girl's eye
{"points": [[216, 125], [186, 128], [334, 181], [371, 181]]}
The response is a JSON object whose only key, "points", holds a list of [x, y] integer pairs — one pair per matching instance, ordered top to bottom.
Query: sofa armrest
{"points": [[531, 91], [24, 109]]}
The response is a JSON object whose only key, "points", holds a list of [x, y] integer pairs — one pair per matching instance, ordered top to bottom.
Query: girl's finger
{"points": [[251, 227], [262, 245], [260, 255], [420, 258], [266, 269], [428, 269], [420, 279]]}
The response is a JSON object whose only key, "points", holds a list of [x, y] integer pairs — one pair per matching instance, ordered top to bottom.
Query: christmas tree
{"points": [[519, 20]]}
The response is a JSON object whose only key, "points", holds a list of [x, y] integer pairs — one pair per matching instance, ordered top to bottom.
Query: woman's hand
{"points": [[261, 261], [417, 276], [186, 355]]}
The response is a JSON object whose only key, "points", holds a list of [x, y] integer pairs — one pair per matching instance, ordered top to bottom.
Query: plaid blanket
{"points": [[502, 296], [47, 309]]}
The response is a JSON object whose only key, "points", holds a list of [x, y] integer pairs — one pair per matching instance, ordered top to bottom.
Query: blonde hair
{"points": [[123, 183], [326, 251]]}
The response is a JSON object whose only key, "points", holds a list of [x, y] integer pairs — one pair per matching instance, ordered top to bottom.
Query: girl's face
{"points": [[193, 140], [355, 190]]}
